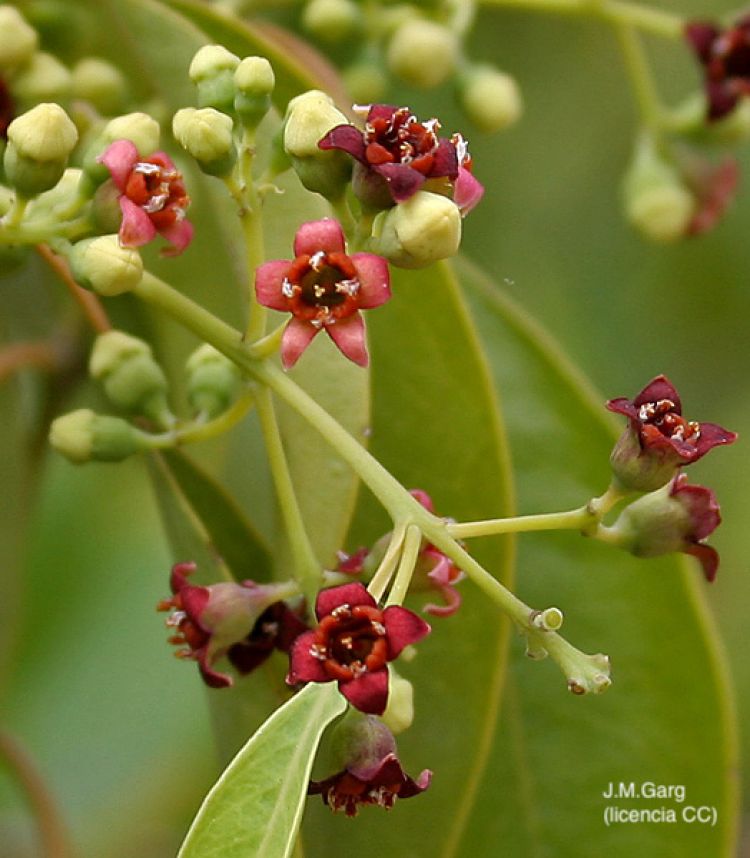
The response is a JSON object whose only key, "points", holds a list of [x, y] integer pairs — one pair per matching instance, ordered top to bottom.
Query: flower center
{"points": [[7, 110], [400, 138], [159, 190], [322, 288], [663, 415], [188, 634], [351, 641]]}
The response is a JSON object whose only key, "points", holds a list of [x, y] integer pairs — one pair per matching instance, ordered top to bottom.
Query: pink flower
{"points": [[152, 198], [324, 289], [353, 643]]}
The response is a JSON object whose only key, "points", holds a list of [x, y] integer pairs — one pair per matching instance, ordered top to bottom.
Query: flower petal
{"points": [[348, 139], [119, 158], [445, 161], [403, 181], [467, 192], [136, 228], [179, 235], [315, 235], [269, 280], [374, 280], [349, 336], [296, 338], [657, 389], [711, 436], [708, 557], [345, 594], [452, 603], [402, 628], [303, 666], [211, 677], [368, 692]]}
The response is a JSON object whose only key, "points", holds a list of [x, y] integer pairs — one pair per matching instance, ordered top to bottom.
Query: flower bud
{"points": [[331, 20], [18, 40], [423, 53], [212, 71], [43, 78], [254, 81], [366, 82], [100, 83], [491, 99], [309, 117], [140, 128], [206, 134], [39, 143], [58, 198], [657, 202], [415, 233], [102, 265], [132, 379], [213, 380], [83, 436], [399, 711]]}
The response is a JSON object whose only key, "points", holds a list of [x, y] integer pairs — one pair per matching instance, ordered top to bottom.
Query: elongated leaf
{"points": [[231, 534], [666, 720], [254, 809]]}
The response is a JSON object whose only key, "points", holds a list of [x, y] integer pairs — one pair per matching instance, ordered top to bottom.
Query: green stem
{"points": [[640, 76], [15, 213], [252, 227], [38, 233], [203, 431], [575, 519], [412, 544], [385, 569], [308, 570]]}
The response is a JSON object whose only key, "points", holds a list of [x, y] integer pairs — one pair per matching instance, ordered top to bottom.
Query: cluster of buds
{"points": [[649, 456]]}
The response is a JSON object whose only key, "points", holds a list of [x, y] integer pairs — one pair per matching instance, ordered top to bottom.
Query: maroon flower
{"points": [[725, 57], [7, 109], [396, 154], [152, 198], [323, 288], [659, 440], [212, 620], [276, 628], [352, 645], [372, 774]]}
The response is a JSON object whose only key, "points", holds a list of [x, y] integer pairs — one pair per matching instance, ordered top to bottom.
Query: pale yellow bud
{"points": [[18, 40], [423, 53], [43, 78], [99, 82], [491, 99], [140, 128], [206, 134], [103, 265]]}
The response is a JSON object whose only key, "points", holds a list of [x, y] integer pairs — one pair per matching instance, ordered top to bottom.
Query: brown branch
{"points": [[89, 303], [42, 354], [52, 834]]}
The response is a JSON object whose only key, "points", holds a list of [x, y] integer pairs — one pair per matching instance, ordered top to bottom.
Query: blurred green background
{"points": [[119, 730]]}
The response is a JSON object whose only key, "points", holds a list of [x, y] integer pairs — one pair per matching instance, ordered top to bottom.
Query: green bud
{"points": [[331, 20], [18, 40], [423, 53], [212, 71], [43, 78], [254, 81], [366, 82], [100, 83], [491, 99], [309, 117], [140, 128], [206, 134], [39, 143], [58, 198], [657, 201], [415, 233], [102, 265], [132, 379], [212, 381], [83, 436], [399, 711]]}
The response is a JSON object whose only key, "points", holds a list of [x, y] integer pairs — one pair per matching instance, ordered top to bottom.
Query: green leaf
{"points": [[436, 426], [229, 531], [667, 718], [254, 809]]}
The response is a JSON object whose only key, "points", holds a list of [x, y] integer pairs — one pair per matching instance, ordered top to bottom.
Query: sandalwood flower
{"points": [[725, 57], [396, 154], [153, 199], [324, 289], [659, 440], [353, 643]]}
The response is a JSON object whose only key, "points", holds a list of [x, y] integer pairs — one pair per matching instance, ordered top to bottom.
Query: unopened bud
{"points": [[331, 20], [18, 40], [423, 53], [212, 71], [43, 78], [254, 81], [366, 82], [100, 83], [491, 99], [309, 118], [140, 128], [206, 134], [39, 144], [657, 201], [415, 233], [102, 265], [132, 379], [213, 381], [84, 436], [399, 711], [359, 741]]}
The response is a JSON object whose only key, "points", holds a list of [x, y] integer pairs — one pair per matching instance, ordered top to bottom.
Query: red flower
{"points": [[725, 57], [396, 154], [152, 198], [323, 288], [659, 440], [704, 517], [211, 621], [276, 628], [352, 644]]}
